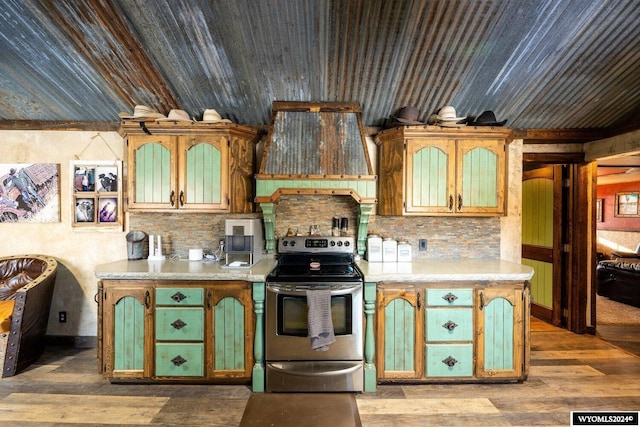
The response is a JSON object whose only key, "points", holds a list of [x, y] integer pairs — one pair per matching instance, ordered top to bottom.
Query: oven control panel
{"points": [[301, 244]]}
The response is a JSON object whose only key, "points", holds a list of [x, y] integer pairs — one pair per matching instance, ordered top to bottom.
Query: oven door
{"points": [[286, 332]]}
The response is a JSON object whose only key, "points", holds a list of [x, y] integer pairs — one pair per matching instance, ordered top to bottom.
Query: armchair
{"points": [[26, 288]]}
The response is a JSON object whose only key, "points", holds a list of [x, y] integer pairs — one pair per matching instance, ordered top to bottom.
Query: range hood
{"points": [[315, 148]]}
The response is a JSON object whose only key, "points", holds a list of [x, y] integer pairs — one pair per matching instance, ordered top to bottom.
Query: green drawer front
{"points": [[179, 296], [450, 297], [179, 324], [449, 324], [438, 357], [180, 360]]}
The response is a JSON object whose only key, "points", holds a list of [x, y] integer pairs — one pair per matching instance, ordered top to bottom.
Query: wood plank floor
{"points": [[568, 372]]}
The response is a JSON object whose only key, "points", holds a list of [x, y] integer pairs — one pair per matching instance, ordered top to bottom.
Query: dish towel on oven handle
{"points": [[319, 319]]}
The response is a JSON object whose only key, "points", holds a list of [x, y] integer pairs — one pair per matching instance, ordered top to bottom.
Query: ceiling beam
{"points": [[58, 125], [550, 136], [625, 144]]}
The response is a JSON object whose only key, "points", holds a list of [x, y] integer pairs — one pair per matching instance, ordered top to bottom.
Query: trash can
{"points": [[136, 248]]}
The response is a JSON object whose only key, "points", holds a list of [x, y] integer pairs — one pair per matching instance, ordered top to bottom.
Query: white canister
{"points": [[374, 248], [389, 250], [404, 252], [195, 254]]}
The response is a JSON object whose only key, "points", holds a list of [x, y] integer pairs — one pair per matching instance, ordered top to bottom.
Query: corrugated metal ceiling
{"points": [[538, 63]]}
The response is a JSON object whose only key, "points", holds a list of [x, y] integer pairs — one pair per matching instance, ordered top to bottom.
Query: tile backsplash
{"points": [[447, 237]]}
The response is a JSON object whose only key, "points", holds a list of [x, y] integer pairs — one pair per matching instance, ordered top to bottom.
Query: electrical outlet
{"points": [[422, 245], [62, 317]]}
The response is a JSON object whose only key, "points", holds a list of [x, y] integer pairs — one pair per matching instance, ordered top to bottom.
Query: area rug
{"points": [[610, 312], [301, 410]]}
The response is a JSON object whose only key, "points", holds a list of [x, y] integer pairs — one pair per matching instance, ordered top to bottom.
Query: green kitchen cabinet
{"points": [[199, 168], [426, 170], [502, 316], [125, 329], [170, 330], [468, 332], [399, 333]]}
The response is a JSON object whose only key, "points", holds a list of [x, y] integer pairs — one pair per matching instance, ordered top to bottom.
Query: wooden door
{"points": [[542, 240]]}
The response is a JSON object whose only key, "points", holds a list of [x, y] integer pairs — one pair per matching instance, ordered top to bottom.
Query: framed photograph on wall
{"points": [[96, 195], [626, 204], [599, 213]]}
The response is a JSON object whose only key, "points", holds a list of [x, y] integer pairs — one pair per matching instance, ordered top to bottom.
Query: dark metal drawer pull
{"points": [[178, 297], [449, 297], [178, 324], [450, 325], [178, 360], [450, 361]]}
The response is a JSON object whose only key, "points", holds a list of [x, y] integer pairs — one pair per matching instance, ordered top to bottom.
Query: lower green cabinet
{"points": [[176, 330], [470, 331], [179, 359], [449, 360]]}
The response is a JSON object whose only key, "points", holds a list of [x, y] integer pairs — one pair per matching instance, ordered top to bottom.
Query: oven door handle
{"points": [[301, 292], [301, 372]]}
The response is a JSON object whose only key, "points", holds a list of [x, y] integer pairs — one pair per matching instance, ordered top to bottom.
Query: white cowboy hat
{"points": [[142, 112], [448, 114], [176, 116], [212, 116]]}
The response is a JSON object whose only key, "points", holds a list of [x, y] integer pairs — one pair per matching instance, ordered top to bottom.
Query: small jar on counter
{"points": [[374, 248], [389, 250], [404, 252]]}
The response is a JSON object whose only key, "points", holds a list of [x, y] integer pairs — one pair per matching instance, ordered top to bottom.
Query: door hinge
{"points": [[228, 143], [565, 183], [566, 248]]}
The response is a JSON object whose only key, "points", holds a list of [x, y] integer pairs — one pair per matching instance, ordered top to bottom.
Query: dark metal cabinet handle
{"points": [[172, 198], [181, 198], [459, 201], [450, 202], [178, 297], [449, 297], [147, 299], [209, 300], [481, 301], [419, 302], [178, 324], [450, 325], [178, 360], [450, 361]]}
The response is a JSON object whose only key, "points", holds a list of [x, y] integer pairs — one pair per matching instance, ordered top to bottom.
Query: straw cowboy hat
{"points": [[142, 112], [176, 116], [212, 116], [407, 116], [447, 117], [487, 118]]}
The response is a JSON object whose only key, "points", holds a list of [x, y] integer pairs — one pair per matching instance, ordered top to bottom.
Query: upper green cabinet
{"points": [[195, 168], [425, 170]]}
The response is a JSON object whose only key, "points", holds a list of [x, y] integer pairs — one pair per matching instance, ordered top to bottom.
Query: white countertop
{"points": [[182, 270], [420, 270], [438, 270]]}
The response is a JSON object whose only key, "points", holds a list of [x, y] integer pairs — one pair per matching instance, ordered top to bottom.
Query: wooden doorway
{"points": [[543, 219], [573, 305]]}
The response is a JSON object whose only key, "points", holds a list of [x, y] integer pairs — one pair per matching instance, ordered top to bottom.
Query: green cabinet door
{"points": [[502, 334]]}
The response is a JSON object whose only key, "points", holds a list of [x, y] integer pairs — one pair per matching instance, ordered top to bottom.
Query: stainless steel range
{"points": [[308, 269]]}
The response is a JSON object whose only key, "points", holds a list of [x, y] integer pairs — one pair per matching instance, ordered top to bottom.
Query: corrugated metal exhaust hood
{"points": [[315, 148]]}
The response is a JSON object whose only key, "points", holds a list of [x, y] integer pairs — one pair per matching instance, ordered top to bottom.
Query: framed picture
{"points": [[29, 192], [97, 195], [626, 204], [599, 214]]}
